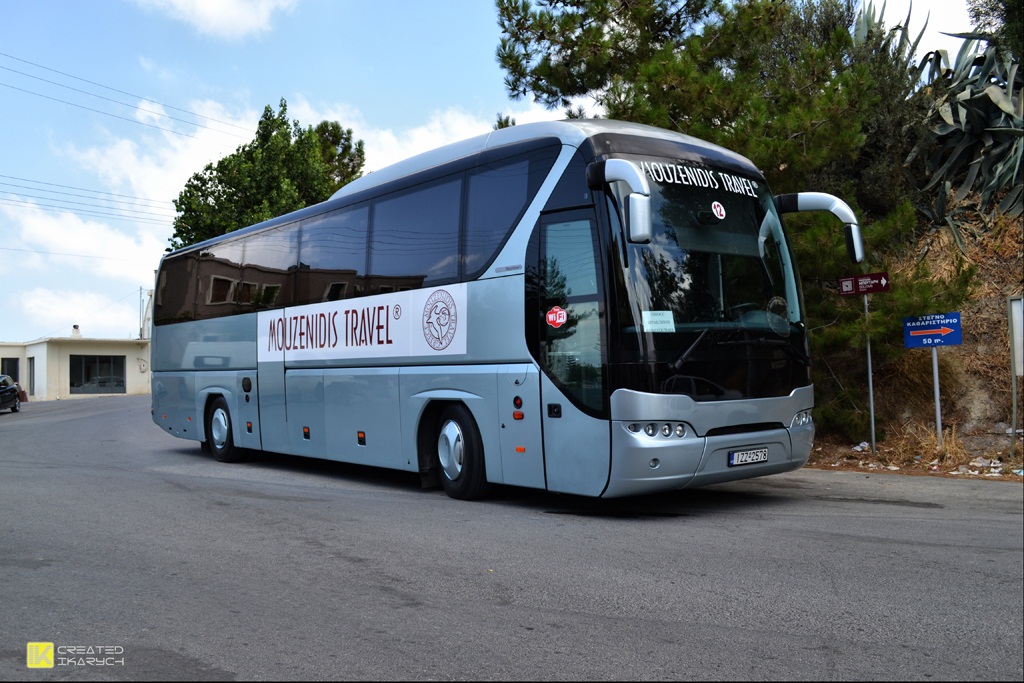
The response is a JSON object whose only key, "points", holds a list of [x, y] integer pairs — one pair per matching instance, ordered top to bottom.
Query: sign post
{"points": [[866, 284], [1015, 314], [933, 331]]}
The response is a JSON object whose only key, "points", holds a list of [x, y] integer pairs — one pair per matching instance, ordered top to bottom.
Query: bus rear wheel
{"points": [[219, 432], [460, 454]]}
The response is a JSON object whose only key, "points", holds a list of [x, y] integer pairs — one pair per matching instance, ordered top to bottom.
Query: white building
{"points": [[77, 367]]}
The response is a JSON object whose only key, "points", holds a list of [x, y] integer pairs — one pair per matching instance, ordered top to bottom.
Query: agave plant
{"points": [[976, 134]]}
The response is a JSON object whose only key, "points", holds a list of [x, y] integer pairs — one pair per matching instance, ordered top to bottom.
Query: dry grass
{"points": [[975, 380], [914, 449]]}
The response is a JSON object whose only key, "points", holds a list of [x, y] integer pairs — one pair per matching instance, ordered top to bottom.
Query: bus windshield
{"points": [[711, 306]]}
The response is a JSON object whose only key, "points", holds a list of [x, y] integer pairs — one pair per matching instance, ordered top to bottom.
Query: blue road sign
{"points": [[937, 329]]}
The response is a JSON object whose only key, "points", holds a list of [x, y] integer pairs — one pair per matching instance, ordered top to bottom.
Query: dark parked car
{"points": [[10, 394]]}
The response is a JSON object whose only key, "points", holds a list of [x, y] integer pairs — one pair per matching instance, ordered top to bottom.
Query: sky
{"points": [[108, 108]]}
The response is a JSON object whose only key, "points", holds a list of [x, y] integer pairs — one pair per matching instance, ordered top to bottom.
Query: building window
{"points": [[9, 366], [97, 375]]}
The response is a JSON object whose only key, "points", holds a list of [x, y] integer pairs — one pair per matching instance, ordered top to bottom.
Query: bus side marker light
{"points": [[518, 415], [248, 427], [305, 433], [361, 438], [520, 449]]}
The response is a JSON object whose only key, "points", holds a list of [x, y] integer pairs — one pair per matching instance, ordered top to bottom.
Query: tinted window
{"points": [[572, 189], [499, 194], [415, 237], [332, 255], [268, 275], [220, 277], [174, 298]]}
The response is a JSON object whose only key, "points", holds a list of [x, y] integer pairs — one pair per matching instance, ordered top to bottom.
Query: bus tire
{"points": [[220, 433], [460, 454]]}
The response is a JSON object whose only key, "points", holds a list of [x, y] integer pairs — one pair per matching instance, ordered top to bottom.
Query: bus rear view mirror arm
{"points": [[820, 201], [638, 209]]}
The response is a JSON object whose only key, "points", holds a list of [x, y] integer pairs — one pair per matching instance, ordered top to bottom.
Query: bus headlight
{"points": [[802, 419], [652, 429]]}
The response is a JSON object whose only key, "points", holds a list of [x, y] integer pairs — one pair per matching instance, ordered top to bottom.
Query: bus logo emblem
{"points": [[557, 317], [440, 318]]}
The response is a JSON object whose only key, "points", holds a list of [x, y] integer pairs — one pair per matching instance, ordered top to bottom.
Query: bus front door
{"points": [[577, 450]]}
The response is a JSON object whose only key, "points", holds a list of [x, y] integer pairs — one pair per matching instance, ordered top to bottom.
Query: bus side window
{"points": [[499, 194], [414, 238], [332, 255], [269, 265]]}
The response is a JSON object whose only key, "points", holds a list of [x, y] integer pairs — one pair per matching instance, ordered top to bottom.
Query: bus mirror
{"points": [[820, 201], [638, 207], [639, 226], [854, 244]]}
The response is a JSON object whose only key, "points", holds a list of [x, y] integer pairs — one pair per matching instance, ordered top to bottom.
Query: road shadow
{"points": [[714, 499]]}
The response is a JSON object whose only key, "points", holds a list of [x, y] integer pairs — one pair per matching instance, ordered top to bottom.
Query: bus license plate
{"points": [[737, 458]]}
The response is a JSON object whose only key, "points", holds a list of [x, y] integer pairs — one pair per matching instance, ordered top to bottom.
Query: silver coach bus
{"points": [[585, 306]]}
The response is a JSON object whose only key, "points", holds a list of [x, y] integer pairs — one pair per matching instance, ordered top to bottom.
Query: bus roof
{"points": [[570, 131]]}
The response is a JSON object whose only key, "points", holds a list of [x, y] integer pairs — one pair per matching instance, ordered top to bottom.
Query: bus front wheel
{"points": [[219, 433], [460, 454]]}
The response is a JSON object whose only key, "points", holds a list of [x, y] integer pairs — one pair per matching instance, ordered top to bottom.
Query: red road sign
{"points": [[864, 284]]}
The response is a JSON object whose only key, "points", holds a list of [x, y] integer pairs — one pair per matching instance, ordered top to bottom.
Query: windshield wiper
{"points": [[678, 364]]}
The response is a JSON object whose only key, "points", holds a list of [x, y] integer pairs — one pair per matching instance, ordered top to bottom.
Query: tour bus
{"points": [[589, 307]]}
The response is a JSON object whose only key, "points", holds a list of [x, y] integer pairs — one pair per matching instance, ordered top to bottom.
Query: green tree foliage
{"points": [[1003, 20], [772, 81], [816, 95], [503, 122], [343, 155], [284, 168]]}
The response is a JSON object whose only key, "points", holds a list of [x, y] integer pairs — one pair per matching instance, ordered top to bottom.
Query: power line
{"points": [[107, 87], [123, 104], [97, 111], [83, 189], [134, 204], [98, 206], [85, 212], [57, 253]]}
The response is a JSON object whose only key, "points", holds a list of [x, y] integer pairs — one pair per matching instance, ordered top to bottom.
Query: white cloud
{"points": [[230, 19], [385, 146], [158, 167], [68, 245], [97, 315]]}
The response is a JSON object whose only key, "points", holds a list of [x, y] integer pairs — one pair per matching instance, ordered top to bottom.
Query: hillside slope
{"points": [[974, 378]]}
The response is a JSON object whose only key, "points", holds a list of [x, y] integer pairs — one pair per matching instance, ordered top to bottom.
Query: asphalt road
{"points": [[140, 558]]}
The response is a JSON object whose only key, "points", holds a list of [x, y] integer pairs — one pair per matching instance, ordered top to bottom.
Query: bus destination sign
{"points": [[864, 284]]}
